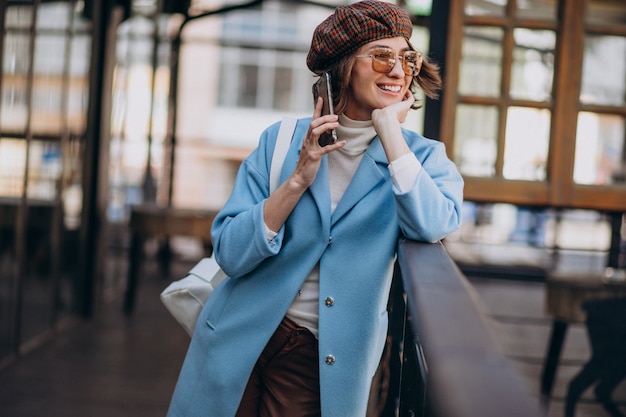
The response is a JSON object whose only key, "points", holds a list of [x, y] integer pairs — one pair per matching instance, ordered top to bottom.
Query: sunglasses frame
{"points": [[378, 62]]}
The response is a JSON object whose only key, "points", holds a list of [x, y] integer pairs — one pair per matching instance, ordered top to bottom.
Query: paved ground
{"points": [[113, 366]]}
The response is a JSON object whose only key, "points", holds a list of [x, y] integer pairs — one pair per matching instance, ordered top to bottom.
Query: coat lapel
{"points": [[367, 176], [320, 191]]}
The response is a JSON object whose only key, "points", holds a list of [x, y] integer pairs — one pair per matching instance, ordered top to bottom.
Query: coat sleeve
{"points": [[432, 208], [238, 232]]}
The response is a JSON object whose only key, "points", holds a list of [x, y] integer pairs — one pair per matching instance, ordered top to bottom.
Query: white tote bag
{"points": [[185, 297]]}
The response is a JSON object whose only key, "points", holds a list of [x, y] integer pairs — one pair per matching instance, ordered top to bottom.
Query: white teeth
{"points": [[392, 88]]}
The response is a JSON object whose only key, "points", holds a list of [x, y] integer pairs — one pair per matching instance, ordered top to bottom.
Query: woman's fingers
{"points": [[317, 111], [320, 124], [311, 152]]}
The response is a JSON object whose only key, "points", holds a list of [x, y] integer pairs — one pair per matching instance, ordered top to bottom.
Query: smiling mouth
{"points": [[390, 88]]}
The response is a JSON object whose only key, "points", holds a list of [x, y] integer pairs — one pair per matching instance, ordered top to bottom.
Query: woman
{"points": [[299, 328]]}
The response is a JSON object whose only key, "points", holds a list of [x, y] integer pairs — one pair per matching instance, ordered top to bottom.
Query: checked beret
{"points": [[353, 25]]}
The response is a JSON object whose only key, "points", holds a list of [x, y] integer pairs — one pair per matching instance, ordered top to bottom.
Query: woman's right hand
{"points": [[311, 152], [281, 203]]}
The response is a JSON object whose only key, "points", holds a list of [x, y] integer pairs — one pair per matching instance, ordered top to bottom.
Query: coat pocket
{"points": [[215, 305]]}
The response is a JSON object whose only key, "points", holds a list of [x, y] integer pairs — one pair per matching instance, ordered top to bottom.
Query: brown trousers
{"points": [[285, 379]]}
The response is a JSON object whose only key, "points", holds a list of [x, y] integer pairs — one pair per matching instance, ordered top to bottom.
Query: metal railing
{"points": [[451, 365]]}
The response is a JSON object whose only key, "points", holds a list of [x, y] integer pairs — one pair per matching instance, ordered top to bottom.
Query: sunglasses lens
{"points": [[383, 61], [411, 63]]}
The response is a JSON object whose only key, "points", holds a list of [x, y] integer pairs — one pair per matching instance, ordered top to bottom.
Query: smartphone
{"points": [[322, 88]]}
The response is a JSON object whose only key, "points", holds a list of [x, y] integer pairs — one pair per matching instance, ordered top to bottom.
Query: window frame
{"points": [[559, 188]]}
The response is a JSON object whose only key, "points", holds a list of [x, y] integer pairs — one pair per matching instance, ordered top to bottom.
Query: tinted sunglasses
{"points": [[384, 59]]}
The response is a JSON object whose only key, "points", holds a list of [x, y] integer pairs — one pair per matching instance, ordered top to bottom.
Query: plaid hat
{"points": [[353, 25]]}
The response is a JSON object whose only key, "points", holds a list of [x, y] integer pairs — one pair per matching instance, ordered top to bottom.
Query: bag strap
{"points": [[285, 133]]}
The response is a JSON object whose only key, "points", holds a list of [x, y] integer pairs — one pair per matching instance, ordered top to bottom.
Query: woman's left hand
{"points": [[394, 113], [387, 122]]}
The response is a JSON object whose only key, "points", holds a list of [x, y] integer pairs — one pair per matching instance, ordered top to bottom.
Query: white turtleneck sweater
{"points": [[342, 164]]}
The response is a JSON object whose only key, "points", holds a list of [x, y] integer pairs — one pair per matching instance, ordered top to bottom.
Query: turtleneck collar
{"points": [[358, 134]]}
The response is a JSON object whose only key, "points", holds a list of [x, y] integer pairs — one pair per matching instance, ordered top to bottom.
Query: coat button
{"points": [[330, 240], [329, 301], [330, 359]]}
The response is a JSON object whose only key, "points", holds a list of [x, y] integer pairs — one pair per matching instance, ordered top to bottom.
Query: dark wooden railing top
{"points": [[468, 375]]}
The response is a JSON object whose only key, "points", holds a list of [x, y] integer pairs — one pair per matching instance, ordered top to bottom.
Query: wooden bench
{"points": [[165, 222]]}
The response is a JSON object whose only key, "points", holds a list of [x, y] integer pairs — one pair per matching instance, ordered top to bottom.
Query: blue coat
{"points": [[356, 249]]}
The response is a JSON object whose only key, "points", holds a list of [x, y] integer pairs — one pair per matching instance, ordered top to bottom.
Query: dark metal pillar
{"points": [[437, 51], [84, 293]]}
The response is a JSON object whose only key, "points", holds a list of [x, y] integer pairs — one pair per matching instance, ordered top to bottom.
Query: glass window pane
{"points": [[485, 7], [537, 9], [54, 15], [19, 16], [481, 61], [533, 64], [15, 65], [604, 66], [229, 68], [248, 75], [282, 88], [78, 94], [47, 100], [138, 101], [160, 105], [475, 141], [526, 144], [599, 149], [12, 166], [44, 170], [72, 197]]}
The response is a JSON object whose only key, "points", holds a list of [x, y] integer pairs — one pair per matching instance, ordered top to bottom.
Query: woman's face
{"points": [[370, 90]]}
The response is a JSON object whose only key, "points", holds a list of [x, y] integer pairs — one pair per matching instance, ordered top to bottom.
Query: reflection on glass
{"points": [[485, 7], [537, 9], [602, 12], [19, 16], [54, 16], [481, 61], [16, 62], [533, 64], [604, 66], [55, 75], [248, 77], [282, 88], [78, 93], [47, 100], [118, 100], [139, 100], [160, 104], [475, 140], [526, 144], [599, 149], [12, 166], [44, 169], [117, 205], [44, 265]]}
